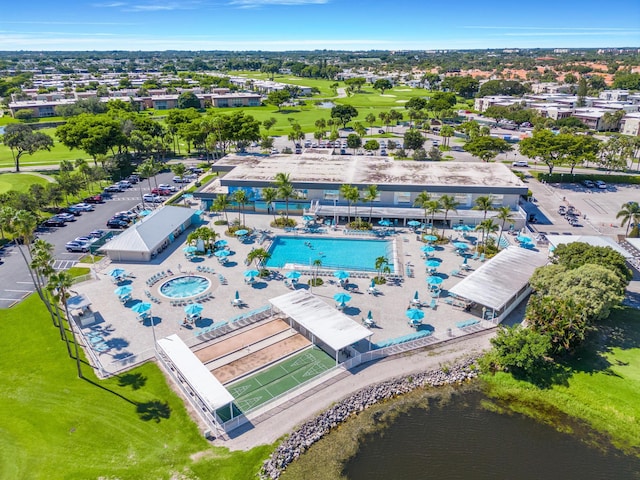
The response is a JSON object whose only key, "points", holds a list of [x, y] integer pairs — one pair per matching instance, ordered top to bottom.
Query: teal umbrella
{"points": [[384, 223], [414, 223], [462, 228], [241, 233], [430, 238], [220, 243], [460, 246], [189, 249], [428, 249], [222, 253], [432, 263], [117, 272], [251, 273], [293, 274], [341, 275], [434, 280], [373, 283], [124, 290], [237, 295], [416, 296], [341, 297], [142, 307], [193, 309], [414, 314], [369, 316]]}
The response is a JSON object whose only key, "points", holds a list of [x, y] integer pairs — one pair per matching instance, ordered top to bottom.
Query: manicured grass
{"points": [[58, 152], [19, 181], [600, 387], [134, 426]]}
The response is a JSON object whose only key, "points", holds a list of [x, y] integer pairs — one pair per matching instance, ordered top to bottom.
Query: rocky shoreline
{"points": [[313, 430]]}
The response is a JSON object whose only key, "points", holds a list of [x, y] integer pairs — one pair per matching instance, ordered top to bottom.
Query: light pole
{"points": [[335, 212]]}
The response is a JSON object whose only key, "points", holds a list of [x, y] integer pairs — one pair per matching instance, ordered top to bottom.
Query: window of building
{"points": [[331, 194], [402, 197]]}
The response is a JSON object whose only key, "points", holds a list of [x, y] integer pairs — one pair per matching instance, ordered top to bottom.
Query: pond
{"points": [[326, 104], [461, 440]]}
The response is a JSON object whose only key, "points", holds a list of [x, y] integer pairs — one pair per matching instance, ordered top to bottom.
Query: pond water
{"points": [[326, 104], [460, 440]]}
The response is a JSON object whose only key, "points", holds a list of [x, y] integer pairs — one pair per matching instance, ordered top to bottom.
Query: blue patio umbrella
{"points": [[187, 195], [145, 212], [307, 218], [384, 223], [413, 223], [462, 228], [241, 233], [430, 238], [523, 239], [220, 243], [460, 246], [189, 249], [428, 249], [222, 253], [465, 261], [432, 263], [117, 272], [251, 273], [293, 274], [341, 275], [434, 281], [373, 283], [124, 290], [237, 295], [416, 296], [342, 297], [142, 307], [193, 309], [414, 314], [369, 316]]}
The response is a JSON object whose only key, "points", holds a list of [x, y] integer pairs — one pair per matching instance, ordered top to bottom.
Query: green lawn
{"points": [[58, 152], [19, 181], [601, 388], [54, 425]]}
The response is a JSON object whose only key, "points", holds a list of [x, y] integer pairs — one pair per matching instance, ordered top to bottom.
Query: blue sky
{"points": [[315, 24]]}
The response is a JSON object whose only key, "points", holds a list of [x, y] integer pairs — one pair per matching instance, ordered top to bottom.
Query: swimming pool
{"points": [[343, 253], [185, 287]]}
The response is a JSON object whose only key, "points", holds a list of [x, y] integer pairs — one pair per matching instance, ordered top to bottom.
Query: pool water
{"points": [[343, 253], [185, 287]]}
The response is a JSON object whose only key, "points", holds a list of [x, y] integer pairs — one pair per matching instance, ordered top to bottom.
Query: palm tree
{"points": [[446, 132], [179, 170], [147, 171], [285, 189], [350, 194], [370, 194], [270, 195], [241, 198], [422, 201], [448, 203], [484, 203], [221, 204], [433, 207], [630, 213], [6, 214], [504, 214], [22, 225], [486, 227], [259, 255], [316, 263], [42, 265], [382, 265], [60, 283]]}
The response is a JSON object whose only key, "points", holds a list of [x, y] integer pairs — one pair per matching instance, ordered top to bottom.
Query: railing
{"points": [[82, 278]]}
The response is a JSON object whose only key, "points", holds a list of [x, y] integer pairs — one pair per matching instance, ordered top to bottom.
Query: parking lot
{"points": [[16, 281]]}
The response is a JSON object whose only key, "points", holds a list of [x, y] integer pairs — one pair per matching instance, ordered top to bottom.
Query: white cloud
{"points": [[262, 3]]}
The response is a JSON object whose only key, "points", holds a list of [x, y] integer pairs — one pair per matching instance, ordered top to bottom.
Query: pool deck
{"points": [[132, 341]]}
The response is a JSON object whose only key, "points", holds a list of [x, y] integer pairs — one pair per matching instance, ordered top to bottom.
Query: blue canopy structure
{"points": [[414, 223], [241, 233], [220, 243], [189, 249], [222, 253], [432, 263], [117, 272], [251, 273], [294, 274], [341, 274], [434, 280], [124, 290], [342, 297], [142, 307], [193, 309], [414, 314]]}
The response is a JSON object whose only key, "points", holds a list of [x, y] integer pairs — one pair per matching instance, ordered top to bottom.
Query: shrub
{"points": [[282, 222], [359, 224], [316, 283]]}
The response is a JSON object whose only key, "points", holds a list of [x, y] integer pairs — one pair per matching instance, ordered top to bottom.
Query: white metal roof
{"points": [[149, 233], [593, 240], [499, 279], [325, 322], [201, 380]]}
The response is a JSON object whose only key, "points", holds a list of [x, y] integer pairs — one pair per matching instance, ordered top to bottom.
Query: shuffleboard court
{"points": [[236, 342], [260, 358], [276, 380]]}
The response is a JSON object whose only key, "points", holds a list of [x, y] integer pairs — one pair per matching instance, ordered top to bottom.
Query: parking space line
{"points": [[18, 291]]}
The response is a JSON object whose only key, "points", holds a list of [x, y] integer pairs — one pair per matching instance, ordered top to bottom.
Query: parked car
{"points": [[381, 131], [274, 151], [298, 151], [383, 153], [520, 163], [196, 170], [133, 179], [177, 179], [588, 183], [124, 184], [600, 184], [166, 186], [113, 188], [160, 191], [149, 197], [94, 199], [84, 207], [76, 212], [128, 214], [66, 217], [123, 218], [53, 222], [117, 223], [97, 233], [86, 239], [76, 247]]}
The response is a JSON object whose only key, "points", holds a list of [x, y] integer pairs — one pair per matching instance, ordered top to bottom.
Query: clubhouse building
{"points": [[317, 178]]}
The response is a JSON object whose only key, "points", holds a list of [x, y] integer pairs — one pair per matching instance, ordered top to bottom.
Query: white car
{"points": [[520, 163], [600, 184], [166, 186], [148, 197], [84, 207]]}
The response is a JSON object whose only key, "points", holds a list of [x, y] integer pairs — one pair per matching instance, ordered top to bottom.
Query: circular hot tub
{"points": [[185, 286]]}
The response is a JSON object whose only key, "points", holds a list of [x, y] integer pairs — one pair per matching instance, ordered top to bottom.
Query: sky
{"points": [[276, 25]]}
